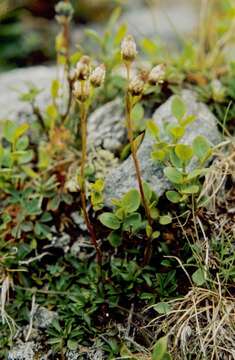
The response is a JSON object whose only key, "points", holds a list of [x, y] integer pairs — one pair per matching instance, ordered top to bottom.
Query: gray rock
{"points": [[166, 19], [15, 82], [106, 127], [123, 178], [43, 317], [34, 347], [22, 351]]}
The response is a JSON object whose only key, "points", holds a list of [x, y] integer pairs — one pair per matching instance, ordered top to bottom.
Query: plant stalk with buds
{"points": [[64, 14], [135, 88], [82, 93]]}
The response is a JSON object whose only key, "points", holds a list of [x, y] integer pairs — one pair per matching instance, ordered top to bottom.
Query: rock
{"points": [[166, 19], [15, 82], [106, 127], [123, 178], [43, 317], [35, 346], [22, 351]]}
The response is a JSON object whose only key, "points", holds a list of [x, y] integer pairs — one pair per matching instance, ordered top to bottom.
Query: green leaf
{"points": [[121, 32], [93, 35], [149, 46], [55, 85], [178, 107], [137, 115], [188, 120], [153, 128], [9, 129], [20, 130], [12, 131], [177, 131], [138, 140], [22, 143], [201, 147], [184, 152], [1, 154], [158, 155], [175, 160], [196, 173], [173, 175], [98, 186], [190, 189], [147, 191], [173, 196], [131, 201], [165, 219], [110, 220], [132, 222], [149, 230], [156, 234], [115, 238], [199, 277], [162, 308], [72, 344], [160, 349]]}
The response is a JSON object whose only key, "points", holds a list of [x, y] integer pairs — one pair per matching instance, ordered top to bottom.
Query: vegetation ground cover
{"points": [[150, 277]]}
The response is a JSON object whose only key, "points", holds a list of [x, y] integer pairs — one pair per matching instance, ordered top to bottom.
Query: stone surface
{"points": [[166, 19], [15, 82], [106, 127], [123, 178], [43, 317], [34, 347], [22, 351]]}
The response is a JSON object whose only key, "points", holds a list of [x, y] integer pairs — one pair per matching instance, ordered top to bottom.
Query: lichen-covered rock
{"points": [[16, 82], [106, 127], [123, 178], [43, 318], [34, 348], [22, 351]]}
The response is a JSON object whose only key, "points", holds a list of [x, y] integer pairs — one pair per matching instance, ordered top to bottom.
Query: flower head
{"points": [[64, 12], [128, 49], [83, 68], [157, 74], [98, 76], [136, 86], [81, 91]]}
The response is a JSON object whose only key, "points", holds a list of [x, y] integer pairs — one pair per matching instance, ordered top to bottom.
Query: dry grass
{"points": [[199, 326]]}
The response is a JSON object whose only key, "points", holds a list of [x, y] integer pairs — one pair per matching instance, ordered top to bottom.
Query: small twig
{"points": [[39, 257], [32, 313], [129, 320]]}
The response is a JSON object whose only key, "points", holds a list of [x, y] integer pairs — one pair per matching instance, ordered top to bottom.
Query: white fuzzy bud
{"points": [[128, 49], [157, 74], [98, 76]]}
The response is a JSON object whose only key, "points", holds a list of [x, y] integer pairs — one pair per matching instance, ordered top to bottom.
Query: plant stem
{"points": [[134, 156], [135, 159], [90, 228]]}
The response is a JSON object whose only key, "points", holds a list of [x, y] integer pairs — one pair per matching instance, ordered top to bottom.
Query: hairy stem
{"points": [[133, 150], [90, 228]]}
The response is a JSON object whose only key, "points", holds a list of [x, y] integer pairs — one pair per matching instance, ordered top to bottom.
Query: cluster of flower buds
{"points": [[64, 12], [157, 74], [154, 77], [83, 78]]}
